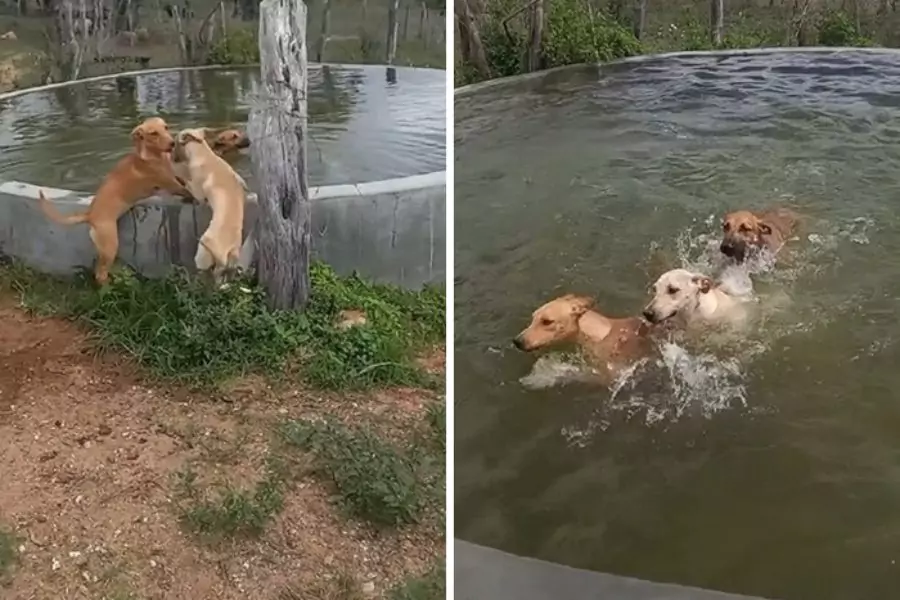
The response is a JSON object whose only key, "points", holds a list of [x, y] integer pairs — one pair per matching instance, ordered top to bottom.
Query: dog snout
{"points": [[244, 143], [650, 315], [519, 343]]}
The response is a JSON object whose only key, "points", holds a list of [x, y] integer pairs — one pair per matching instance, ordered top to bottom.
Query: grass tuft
{"points": [[180, 329], [375, 480], [231, 513], [9, 554], [430, 586]]}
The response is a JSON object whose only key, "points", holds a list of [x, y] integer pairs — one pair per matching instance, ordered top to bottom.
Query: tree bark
{"points": [[716, 21], [392, 31], [323, 33], [535, 44], [278, 132]]}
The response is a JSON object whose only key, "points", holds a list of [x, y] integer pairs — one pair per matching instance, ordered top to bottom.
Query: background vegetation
{"points": [[498, 38], [50, 43]]}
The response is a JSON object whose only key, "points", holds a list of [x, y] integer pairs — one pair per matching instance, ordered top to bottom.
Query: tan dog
{"points": [[228, 142], [135, 177], [212, 179], [746, 232], [694, 298], [608, 343]]}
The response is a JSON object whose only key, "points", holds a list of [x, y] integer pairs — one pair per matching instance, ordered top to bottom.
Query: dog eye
{"points": [[744, 229], [672, 290], [546, 321]]}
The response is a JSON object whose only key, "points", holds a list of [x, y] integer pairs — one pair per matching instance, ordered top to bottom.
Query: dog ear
{"points": [[137, 134], [189, 136], [764, 228], [705, 283], [580, 304]]}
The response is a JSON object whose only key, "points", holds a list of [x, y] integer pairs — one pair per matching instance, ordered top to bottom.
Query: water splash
{"points": [[557, 369]]}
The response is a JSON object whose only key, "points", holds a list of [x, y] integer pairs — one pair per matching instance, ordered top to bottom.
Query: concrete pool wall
{"points": [[390, 231], [487, 574]]}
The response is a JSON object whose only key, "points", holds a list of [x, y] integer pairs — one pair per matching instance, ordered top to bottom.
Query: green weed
{"points": [[239, 47], [181, 329], [375, 480], [232, 512], [9, 554], [430, 586]]}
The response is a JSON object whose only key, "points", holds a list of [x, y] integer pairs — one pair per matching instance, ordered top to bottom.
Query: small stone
{"points": [[104, 430], [49, 455], [329, 560], [153, 563], [55, 564], [368, 587]]}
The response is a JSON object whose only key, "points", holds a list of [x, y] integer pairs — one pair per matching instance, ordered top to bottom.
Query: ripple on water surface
{"points": [[362, 128], [765, 463]]}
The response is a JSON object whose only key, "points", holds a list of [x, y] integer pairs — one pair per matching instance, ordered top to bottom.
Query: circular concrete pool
{"points": [[376, 158], [766, 464]]}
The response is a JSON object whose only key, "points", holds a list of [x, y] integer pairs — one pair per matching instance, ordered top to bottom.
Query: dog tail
{"points": [[51, 212]]}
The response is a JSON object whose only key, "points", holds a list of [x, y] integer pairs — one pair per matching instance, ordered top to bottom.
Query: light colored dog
{"points": [[227, 144], [136, 177], [212, 179], [746, 232], [694, 298], [608, 343]]}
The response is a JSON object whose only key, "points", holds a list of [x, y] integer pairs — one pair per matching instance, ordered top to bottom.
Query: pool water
{"points": [[361, 127], [765, 463]]}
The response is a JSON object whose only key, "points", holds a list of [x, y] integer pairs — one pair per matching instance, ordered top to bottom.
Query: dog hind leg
{"points": [[105, 237]]}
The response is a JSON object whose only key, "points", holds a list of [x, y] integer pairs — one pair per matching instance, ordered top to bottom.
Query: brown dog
{"points": [[227, 142], [135, 177], [747, 232], [609, 344]]}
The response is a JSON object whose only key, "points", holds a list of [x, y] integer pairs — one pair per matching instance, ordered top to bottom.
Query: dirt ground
{"points": [[88, 456]]}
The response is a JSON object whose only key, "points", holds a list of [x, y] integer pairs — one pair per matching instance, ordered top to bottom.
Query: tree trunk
{"points": [[640, 18], [716, 21], [423, 23], [392, 31], [323, 33], [535, 43], [471, 48], [278, 132]]}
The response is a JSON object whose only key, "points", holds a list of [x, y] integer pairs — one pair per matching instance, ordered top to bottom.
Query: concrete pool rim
{"points": [[473, 88], [342, 190]]}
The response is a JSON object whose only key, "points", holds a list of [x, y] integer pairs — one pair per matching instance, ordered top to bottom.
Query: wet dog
{"points": [[135, 177], [745, 233], [693, 298], [610, 344]]}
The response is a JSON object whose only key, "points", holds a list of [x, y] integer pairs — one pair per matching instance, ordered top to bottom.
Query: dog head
{"points": [[185, 137], [152, 138], [228, 140], [742, 231], [676, 291], [553, 323]]}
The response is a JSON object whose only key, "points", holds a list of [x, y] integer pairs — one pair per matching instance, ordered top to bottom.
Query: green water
{"points": [[361, 127], [767, 464]]}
